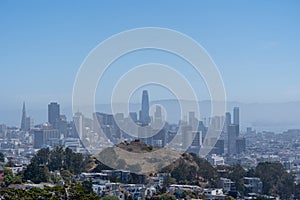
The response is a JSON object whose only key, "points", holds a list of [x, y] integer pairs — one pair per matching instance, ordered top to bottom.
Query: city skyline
{"points": [[271, 117]]}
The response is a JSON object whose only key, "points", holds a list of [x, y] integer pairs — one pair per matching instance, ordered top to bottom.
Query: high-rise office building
{"points": [[53, 113], [157, 113], [144, 114], [236, 115], [133, 116], [23, 120], [227, 121], [157, 122], [193, 122], [78, 123], [29, 124], [63, 125], [3, 130], [233, 134], [43, 136], [38, 138], [196, 142], [240, 145], [218, 148]]}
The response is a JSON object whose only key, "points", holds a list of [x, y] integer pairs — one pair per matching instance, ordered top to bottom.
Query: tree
{"points": [[2, 157], [42, 157], [56, 159], [10, 163], [68, 164], [189, 168], [36, 173], [237, 174], [66, 175], [9, 178], [276, 181], [87, 187], [76, 191], [57, 192], [167, 197], [110, 198], [229, 198]]}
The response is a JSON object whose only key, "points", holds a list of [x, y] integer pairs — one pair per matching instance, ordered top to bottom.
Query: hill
{"points": [[137, 157]]}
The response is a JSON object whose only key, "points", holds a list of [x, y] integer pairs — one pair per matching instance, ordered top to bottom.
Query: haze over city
{"points": [[44, 45]]}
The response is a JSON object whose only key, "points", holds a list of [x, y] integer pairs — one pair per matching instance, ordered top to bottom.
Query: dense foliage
{"points": [[51, 160], [190, 169], [9, 178], [275, 179], [74, 191]]}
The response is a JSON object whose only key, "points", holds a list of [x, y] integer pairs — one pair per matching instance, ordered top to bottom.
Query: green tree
{"points": [[2, 157], [42, 157], [56, 158], [68, 159], [10, 163], [36, 173], [237, 174], [66, 175], [9, 178], [276, 181], [87, 187], [76, 191], [167, 196], [110, 198], [229, 198]]}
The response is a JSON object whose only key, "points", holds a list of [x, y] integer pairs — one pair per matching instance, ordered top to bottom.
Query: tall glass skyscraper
{"points": [[53, 113], [144, 114], [236, 116]]}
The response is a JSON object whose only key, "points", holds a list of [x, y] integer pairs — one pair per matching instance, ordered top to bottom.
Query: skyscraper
{"points": [[53, 113], [144, 114], [236, 115], [133, 116], [23, 120], [227, 121], [157, 122], [29, 123], [78, 123], [233, 134], [44, 136]]}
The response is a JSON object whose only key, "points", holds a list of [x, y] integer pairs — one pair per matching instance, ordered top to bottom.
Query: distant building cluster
{"points": [[103, 130], [233, 146]]}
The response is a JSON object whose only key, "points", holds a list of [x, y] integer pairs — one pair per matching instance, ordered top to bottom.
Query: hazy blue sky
{"points": [[255, 44]]}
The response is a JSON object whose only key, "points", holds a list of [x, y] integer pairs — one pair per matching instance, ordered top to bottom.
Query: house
{"points": [[253, 185], [214, 194]]}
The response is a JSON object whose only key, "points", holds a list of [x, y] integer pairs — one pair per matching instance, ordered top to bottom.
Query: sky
{"points": [[255, 45]]}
